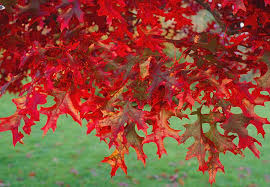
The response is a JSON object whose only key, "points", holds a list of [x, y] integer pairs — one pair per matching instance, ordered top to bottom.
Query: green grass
{"points": [[69, 157]]}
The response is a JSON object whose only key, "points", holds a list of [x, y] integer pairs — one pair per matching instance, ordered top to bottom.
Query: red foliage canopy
{"points": [[104, 60]]}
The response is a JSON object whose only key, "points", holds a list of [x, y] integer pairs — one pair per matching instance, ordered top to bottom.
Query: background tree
{"points": [[105, 60]]}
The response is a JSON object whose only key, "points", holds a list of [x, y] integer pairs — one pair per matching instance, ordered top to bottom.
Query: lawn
{"points": [[69, 157]]}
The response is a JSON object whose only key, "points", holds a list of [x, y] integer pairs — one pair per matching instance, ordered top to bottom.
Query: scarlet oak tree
{"points": [[104, 60]]}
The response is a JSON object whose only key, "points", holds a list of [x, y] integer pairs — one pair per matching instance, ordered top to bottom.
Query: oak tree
{"points": [[103, 61]]}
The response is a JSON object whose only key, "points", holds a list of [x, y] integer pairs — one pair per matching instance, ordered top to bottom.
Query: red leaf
{"points": [[111, 9], [65, 18], [63, 105], [13, 122], [115, 122], [237, 123], [161, 130], [135, 141], [221, 142], [199, 147], [116, 160], [214, 165]]}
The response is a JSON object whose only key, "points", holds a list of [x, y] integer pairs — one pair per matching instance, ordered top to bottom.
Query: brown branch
{"points": [[172, 40]]}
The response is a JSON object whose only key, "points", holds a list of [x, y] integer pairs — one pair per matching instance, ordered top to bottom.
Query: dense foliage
{"points": [[103, 61]]}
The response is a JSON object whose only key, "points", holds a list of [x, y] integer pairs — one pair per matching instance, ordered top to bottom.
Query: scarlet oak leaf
{"points": [[111, 9], [66, 17], [146, 39], [163, 78], [6, 85], [185, 97], [32, 101], [25, 105], [63, 105], [249, 111], [137, 116], [13, 122], [115, 122], [237, 123], [111, 125], [161, 130], [132, 139], [135, 141], [212, 141], [222, 143], [199, 147], [198, 150], [116, 160], [214, 165]]}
